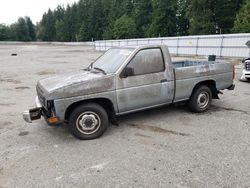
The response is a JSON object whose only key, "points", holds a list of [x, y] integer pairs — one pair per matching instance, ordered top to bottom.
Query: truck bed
{"points": [[189, 73]]}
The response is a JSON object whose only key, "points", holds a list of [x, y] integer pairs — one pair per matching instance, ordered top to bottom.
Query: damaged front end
{"points": [[36, 113]]}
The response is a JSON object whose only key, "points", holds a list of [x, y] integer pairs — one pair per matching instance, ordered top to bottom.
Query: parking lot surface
{"points": [[162, 147]]}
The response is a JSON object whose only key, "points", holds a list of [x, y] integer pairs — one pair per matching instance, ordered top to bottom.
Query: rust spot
{"points": [[156, 129]]}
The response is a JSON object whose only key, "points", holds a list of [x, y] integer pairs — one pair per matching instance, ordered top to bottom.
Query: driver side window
{"points": [[147, 61]]}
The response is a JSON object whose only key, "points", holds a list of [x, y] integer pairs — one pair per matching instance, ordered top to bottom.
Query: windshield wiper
{"points": [[90, 66], [97, 68]]}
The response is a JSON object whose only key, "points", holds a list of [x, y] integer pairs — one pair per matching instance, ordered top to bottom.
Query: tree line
{"points": [[120, 19], [22, 30]]}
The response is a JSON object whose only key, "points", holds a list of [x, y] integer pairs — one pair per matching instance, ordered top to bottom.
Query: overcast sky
{"points": [[10, 10]]}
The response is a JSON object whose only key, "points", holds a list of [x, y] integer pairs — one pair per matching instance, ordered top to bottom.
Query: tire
{"points": [[248, 79], [200, 99], [88, 121]]}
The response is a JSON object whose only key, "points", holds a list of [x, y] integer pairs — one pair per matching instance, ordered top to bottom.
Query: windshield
{"points": [[111, 60]]}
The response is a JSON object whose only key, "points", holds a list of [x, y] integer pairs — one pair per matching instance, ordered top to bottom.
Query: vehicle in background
{"points": [[246, 64], [125, 80]]}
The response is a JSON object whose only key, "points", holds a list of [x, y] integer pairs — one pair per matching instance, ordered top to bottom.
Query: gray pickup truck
{"points": [[125, 80]]}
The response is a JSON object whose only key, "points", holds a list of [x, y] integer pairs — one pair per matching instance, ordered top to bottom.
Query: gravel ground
{"points": [[164, 147]]}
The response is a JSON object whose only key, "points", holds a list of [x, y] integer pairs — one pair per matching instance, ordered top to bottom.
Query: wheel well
{"points": [[211, 84], [105, 103]]}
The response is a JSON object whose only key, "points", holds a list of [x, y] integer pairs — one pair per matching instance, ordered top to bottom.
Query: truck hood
{"points": [[75, 84]]}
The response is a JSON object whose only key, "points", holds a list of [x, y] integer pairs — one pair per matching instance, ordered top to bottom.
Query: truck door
{"points": [[140, 84]]}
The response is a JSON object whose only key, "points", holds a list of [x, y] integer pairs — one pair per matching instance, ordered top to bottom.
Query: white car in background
{"points": [[246, 71]]}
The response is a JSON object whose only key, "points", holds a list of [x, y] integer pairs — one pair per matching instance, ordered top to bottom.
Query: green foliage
{"points": [[200, 14], [224, 14], [142, 16], [212, 16], [164, 18], [89, 20], [182, 21], [242, 22], [124, 27], [31, 29], [25, 30], [48, 31], [7, 33]]}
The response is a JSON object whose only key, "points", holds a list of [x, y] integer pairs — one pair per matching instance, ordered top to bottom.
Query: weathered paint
{"points": [[76, 84], [135, 92]]}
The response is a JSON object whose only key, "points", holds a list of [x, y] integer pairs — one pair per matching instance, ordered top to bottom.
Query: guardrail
{"points": [[230, 45]]}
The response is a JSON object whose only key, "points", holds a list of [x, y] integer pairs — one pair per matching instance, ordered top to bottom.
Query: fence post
{"points": [[221, 45], [197, 46], [177, 53]]}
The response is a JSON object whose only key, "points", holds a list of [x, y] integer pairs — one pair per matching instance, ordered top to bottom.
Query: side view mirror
{"points": [[128, 71]]}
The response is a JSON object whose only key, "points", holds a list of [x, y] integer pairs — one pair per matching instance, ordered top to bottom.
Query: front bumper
{"points": [[246, 73], [34, 113]]}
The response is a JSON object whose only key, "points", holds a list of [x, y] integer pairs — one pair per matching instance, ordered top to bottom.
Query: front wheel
{"points": [[201, 99], [88, 121]]}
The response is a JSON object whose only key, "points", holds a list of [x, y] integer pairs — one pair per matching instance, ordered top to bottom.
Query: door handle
{"points": [[164, 80]]}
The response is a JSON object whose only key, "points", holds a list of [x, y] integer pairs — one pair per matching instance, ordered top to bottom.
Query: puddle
{"points": [[45, 72], [11, 81], [22, 87], [7, 104], [220, 108], [5, 124], [156, 129], [23, 133], [142, 135]]}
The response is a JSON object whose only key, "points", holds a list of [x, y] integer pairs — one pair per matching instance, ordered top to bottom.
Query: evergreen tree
{"points": [[225, 12], [142, 16], [201, 17], [164, 18], [181, 18], [242, 22], [124, 27], [31, 29], [22, 30], [48, 31]]}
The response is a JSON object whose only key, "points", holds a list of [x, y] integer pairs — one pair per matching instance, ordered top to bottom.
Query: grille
{"points": [[247, 65]]}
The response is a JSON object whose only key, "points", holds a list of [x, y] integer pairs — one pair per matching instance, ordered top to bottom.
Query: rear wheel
{"points": [[201, 99], [88, 121]]}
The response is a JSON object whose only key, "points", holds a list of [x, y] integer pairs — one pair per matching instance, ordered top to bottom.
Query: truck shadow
{"points": [[153, 113]]}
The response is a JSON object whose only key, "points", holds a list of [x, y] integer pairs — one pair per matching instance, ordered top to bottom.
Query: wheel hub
{"points": [[203, 99], [88, 122]]}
